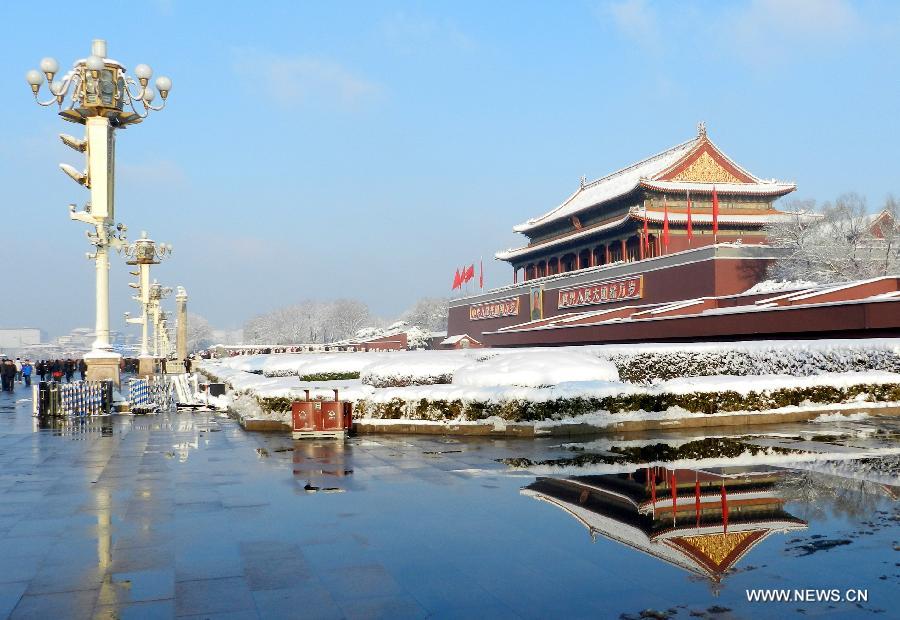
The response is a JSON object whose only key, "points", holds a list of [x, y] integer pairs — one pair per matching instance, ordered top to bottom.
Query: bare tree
{"points": [[842, 243], [428, 313], [307, 322], [199, 333]]}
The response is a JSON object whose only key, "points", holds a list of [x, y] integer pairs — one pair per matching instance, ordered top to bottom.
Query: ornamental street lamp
{"points": [[98, 94], [143, 253]]}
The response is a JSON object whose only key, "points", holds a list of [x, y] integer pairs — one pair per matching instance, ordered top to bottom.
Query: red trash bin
{"points": [[321, 418]]}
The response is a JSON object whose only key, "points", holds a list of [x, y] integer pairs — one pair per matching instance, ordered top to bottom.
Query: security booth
{"points": [[316, 418]]}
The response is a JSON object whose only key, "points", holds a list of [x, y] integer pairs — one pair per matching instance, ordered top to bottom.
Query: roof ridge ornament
{"points": [[701, 129], [583, 181]]}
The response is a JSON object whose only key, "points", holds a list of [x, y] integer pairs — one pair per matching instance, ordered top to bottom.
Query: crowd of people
{"points": [[22, 371]]}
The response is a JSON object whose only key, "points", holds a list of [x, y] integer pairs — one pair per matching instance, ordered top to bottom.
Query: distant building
{"points": [[15, 339], [461, 341]]}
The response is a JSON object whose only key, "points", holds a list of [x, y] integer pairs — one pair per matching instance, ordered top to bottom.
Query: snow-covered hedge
{"points": [[788, 359], [522, 410]]}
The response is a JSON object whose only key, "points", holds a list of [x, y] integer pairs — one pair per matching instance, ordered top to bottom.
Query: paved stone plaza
{"points": [[188, 515]]}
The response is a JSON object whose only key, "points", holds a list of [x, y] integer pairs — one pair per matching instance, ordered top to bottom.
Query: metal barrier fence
{"points": [[151, 394], [139, 395], [78, 398]]}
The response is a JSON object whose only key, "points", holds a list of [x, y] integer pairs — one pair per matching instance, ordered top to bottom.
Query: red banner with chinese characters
{"points": [[602, 292], [494, 309]]}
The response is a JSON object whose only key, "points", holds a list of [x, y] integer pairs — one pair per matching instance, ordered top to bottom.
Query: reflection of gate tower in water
{"points": [[712, 520]]}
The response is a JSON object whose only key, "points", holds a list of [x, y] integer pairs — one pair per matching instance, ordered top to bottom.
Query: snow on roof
{"points": [[644, 172], [612, 185], [762, 187], [652, 216], [512, 253], [457, 338]]}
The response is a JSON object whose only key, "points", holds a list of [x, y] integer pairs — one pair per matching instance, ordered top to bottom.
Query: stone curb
{"points": [[567, 430]]}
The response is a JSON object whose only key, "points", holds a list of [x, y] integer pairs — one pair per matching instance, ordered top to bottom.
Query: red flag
{"points": [[715, 213], [666, 224], [690, 225], [468, 273], [481, 274], [457, 281], [697, 500], [724, 511]]}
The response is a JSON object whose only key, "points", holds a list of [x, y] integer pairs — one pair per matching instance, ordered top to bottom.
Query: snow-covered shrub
{"points": [[646, 367], [535, 368], [329, 376], [709, 402]]}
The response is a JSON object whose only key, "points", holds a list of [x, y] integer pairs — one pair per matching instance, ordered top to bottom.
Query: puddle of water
{"points": [[670, 525]]}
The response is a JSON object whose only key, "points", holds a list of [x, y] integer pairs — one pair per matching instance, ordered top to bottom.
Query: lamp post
{"points": [[98, 94], [143, 253]]}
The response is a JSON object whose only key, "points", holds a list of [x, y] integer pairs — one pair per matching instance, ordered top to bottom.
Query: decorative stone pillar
{"points": [[181, 334]]}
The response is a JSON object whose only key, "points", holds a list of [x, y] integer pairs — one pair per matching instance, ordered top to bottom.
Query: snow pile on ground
{"points": [[421, 367], [536, 368], [837, 417]]}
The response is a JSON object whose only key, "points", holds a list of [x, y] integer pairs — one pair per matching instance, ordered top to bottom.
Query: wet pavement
{"points": [[188, 515]]}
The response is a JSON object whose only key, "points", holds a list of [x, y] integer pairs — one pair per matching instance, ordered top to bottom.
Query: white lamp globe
{"points": [[94, 63], [49, 65], [143, 72], [34, 77], [163, 83], [57, 87], [149, 94]]}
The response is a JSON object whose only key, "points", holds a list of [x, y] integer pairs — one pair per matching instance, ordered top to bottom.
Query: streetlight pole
{"points": [[102, 97], [143, 253]]}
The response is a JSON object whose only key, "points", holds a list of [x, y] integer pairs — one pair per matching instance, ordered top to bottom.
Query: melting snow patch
{"points": [[840, 417]]}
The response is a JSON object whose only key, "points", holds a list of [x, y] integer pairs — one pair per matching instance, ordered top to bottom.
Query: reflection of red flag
{"points": [[715, 213], [666, 224], [690, 225], [481, 274], [457, 280], [653, 486], [674, 496], [697, 500], [724, 511]]}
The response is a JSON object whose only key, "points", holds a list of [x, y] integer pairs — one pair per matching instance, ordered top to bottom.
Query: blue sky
{"points": [[366, 149]]}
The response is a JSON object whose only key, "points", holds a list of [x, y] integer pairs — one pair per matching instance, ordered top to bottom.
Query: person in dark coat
{"points": [[82, 368], [42, 369], [69, 369], [56, 370], [8, 375]]}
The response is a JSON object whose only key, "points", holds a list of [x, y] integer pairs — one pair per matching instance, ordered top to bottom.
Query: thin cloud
{"points": [[635, 19], [765, 31], [411, 33], [304, 78], [158, 173]]}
